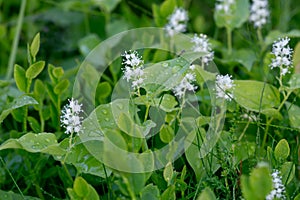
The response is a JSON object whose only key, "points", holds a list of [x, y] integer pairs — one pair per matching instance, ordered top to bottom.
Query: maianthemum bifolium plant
{"points": [[201, 101]]}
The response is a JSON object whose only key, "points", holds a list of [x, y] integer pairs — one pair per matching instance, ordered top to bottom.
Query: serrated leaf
{"points": [[35, 46], [35, 69], [20, 78], [17, 103], [42, 142], [282, 150]]}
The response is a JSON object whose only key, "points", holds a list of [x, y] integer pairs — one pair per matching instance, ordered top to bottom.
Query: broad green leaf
{"points": [[167, 8], [238, 14], [275, 35], [35, 46], [35, 69], [20, 78], [294, 81], [61, 86], [39, 89], [104, 90], [255, 96], [17, 103], [168, 103], [294, 114], [166, 133], [42, 142], [282, 150], [287, 172], [168, 173], [258, 185], [81, 187], [150, 192], [169, 193], [72, 194], [207, 194], [14, 196], [297, 197]]}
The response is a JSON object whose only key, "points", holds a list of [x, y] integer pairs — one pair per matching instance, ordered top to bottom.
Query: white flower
{"points": [[225, 5], [259, 13], [177, 22], [201, 44], [283, 55], [133, 69], [185, 85], [224, 87], [70, 118], [278, 188]]}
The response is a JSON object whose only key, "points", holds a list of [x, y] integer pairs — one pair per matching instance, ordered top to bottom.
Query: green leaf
{"points": [[167, 8], [238, 15], [275, 35], [35, 46], [244, 56], [296, 56], [35, 69], [58, 72], [20, 78], [294, 81], [61, 86], [39, 89], [104, 90], [256, 96], [17, 103], [168, 103], [294, 114], [34, 124], [166, 133], [42, 142], [282, 150], [82, 159], [287, 172], [168, 173], [259, 184], [81, 187], [150, 192], [169, 193], [207, 194], [14, 196], [297, 197]]}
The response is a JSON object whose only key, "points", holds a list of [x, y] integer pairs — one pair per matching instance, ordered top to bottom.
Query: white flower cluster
{"points": [[224, 5], [259, 13], [177, 22], [201, 44], [283, 55], [133, 69], [185, 85], [224, 87], [70, 118], [278, 188]]}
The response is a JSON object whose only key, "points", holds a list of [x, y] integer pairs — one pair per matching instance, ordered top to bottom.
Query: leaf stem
{"points": [[229, 40], [12, 56]]}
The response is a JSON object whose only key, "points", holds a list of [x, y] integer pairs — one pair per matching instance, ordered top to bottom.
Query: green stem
{"points": [[260, 39], [229, 40], [12, 56]]}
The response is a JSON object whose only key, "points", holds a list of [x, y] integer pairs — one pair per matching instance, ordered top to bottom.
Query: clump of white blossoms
{"points": [[225, 5], [259, 13], [177, 22], [201, 44], [283, 55], [133, 69], [185, 85], [224, 87], [70, 118], [278, 188]]}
